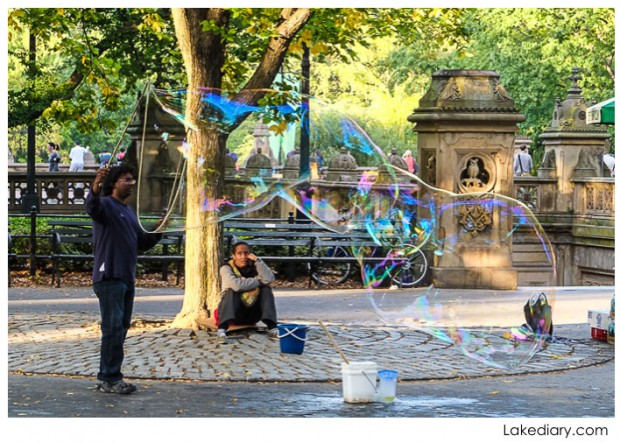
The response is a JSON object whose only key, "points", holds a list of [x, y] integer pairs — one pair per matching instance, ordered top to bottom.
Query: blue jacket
{"points": [[117, 237]]}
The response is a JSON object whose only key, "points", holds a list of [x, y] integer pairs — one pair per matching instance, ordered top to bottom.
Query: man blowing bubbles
{"points": [[117, 237]]}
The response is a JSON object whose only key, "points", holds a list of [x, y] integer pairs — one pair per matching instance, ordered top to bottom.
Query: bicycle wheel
{"points": [[410, 266], [326, 273]]}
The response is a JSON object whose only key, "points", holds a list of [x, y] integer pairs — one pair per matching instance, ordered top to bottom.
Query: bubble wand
{"points": [[344, 357]]}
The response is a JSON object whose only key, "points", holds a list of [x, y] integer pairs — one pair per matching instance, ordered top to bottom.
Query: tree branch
{"points": [[293, 21]]}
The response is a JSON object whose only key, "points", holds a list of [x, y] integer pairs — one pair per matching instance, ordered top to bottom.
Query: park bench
{"points": [[79, 233], [34, 255], [325, 256]]}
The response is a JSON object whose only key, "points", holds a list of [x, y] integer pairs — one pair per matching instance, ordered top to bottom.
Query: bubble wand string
{"points": [[135, 109]]}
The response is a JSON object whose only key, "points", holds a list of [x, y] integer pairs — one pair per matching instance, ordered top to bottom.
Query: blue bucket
{"points": [[292, 338]]}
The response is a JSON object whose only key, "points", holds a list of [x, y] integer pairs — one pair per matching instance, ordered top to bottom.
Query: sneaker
{"points": [[273, 334], [222, 338], [117, 387]]}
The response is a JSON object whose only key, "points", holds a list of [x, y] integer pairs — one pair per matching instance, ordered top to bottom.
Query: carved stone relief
{"points": [[450, 90], [499, 92], [549, 160], [430, 164], [476, 173], [529, 196], [599, 198], [475, 218]]}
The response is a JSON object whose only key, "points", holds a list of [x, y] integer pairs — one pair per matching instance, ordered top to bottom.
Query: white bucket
{"points": [[359, 381]]}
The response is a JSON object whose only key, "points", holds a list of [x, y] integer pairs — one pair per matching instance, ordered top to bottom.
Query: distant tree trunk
{"points": [[204, 57]]}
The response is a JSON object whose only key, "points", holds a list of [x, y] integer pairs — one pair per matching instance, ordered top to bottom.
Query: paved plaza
{"points": [[53, 347]]}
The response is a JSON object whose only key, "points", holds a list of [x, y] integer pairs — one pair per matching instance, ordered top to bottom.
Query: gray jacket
{"points": [[242, 284]]}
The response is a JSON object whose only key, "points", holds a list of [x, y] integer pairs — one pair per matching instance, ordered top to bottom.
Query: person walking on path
{"points": [[408, 157], [77, 158], [54, 159], [523, 162], [117, 237], [246, 296]]}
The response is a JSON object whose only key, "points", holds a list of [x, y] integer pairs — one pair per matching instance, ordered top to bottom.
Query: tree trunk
{"points": [[203, 54], [203, 248]]}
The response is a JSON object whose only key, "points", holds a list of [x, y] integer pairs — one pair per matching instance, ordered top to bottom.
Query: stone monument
{"points": [[466, 124], [573, 149]]}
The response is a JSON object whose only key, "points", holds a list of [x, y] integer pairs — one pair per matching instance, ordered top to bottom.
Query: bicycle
{"points": [[405, 266]]}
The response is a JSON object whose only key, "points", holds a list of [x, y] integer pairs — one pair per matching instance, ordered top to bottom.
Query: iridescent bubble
{"points": [[403, 217], [487, 325]]}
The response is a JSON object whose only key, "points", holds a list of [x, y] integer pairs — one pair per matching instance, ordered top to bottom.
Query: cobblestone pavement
{"points": [[156, 351]]}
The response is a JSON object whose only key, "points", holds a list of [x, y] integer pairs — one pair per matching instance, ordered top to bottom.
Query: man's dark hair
{"points": [[523, 147], [115, 173]]}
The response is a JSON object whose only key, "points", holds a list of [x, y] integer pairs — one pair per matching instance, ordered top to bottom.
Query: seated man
{"points": [[246, 296]]}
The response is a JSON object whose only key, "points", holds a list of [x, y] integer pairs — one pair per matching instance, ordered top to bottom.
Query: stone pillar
{"points": [[466, 125], [261, 143], [573, 149], [155, 152], [258, 165]]}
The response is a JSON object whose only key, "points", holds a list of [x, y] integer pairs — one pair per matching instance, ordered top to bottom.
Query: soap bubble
{"points": [[272, 130], [401, 229], [472, 242]]}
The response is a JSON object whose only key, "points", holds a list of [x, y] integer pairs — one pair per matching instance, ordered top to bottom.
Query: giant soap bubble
{"points": [[403, 219]]}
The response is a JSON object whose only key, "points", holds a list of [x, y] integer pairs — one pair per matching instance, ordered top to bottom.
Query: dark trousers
{"points": [[116, 306], [232, 310]]}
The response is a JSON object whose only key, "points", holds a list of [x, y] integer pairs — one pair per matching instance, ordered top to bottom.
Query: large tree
{"points": [[242, 50], [204, 54]]}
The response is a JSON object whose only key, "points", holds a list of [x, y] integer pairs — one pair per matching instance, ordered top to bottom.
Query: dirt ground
{"points": [[22, 279]]}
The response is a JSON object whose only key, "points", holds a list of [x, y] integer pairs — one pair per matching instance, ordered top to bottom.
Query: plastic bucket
{"points": [[292, 338], [359, 381], [387, 385]]}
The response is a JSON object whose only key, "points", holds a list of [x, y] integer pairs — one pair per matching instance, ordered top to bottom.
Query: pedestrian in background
{"points": [[120, 156], [77, 157], [408, 157], [54, 158], [104, 159], [523, 162], [117, 237]]}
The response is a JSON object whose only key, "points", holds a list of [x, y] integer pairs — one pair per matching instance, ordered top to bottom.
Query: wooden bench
{"points": [[79, 232], [326, 255]]}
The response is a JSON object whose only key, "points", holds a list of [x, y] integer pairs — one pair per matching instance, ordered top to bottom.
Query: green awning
{"points": [[603, 113]]}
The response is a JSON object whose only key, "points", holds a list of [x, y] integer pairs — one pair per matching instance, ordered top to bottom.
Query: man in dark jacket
{"points": [[117, 237]]}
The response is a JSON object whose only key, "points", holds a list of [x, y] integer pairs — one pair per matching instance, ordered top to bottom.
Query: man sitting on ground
{"points": [[246, 296]]}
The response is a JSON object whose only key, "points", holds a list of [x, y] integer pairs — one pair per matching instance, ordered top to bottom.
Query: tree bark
{"points": [[203, 54]]}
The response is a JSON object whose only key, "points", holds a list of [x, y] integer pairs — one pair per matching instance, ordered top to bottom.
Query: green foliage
{"points": [[534, 50], [89, 64], [20, 225]]}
